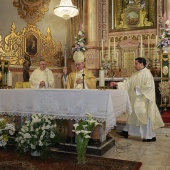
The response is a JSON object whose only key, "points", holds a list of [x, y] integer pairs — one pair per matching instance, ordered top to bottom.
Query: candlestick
{"points": [[156, 41], [141, 46], [148, 47], [114, 48], [109, 50], [102, 51], [65, 56], [101, 78], [9, 79]]}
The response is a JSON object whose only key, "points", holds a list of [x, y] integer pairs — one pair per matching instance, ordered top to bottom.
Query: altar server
{"points": [[42, 77], [145, 117]]}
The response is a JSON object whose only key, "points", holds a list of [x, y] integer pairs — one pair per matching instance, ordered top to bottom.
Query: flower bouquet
{"points": [[165, 36], [80, 41], [106, 64], [6, 130], [83, 131], [38, 133]]}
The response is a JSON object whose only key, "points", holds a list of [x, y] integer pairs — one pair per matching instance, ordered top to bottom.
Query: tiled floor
{"points": [[153, 155]]}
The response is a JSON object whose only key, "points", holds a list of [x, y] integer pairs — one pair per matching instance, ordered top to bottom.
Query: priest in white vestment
{"points": [[42, 77], [145, 117]]}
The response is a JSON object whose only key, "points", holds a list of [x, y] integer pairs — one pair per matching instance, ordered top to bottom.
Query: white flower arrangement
{"points": [[165, 35], [80, 41], [106, 65], [6, 130], [83, 131], [37, 134]]}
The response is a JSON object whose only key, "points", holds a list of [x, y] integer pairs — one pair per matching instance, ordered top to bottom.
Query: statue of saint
{"points": [[26, 68]]}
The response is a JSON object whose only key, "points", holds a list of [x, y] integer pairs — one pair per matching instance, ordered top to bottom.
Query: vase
{"points": [[165, 49], [106, 73], [81, 149], [35, 153], [82, 157]]}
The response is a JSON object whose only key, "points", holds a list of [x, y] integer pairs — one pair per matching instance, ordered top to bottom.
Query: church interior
{"points": [[115, 32]]}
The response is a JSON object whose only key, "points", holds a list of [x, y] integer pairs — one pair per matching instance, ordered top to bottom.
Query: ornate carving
{"points": [[31, 11], [131, 14], [19, 43]]}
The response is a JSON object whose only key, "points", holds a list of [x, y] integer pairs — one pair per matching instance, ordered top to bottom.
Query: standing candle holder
{"points": [[165, 101]]}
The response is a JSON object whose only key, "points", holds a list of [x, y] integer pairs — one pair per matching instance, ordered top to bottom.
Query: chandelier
{"points": [[66, 9]]}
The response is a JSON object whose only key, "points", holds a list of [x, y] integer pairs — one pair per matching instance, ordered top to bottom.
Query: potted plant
{"points": [[6, 130], [37, 134]]}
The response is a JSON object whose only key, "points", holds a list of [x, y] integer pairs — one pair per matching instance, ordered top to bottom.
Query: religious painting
{"points": [[132, 14], [132, 18], [31, 44]]}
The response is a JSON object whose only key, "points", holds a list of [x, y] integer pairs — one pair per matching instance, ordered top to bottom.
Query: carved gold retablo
{"points": [[32, 42]]}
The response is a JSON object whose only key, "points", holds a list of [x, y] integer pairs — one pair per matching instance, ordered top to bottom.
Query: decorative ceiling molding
{"points": [[32, 11]]}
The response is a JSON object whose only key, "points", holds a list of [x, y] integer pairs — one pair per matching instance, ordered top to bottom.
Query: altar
{"points": [[104, 105]]}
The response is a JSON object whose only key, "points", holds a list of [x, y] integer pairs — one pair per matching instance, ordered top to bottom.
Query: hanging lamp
{"points": [[66, 9]]}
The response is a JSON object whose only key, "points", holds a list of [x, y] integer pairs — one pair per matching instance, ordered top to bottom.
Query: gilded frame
{"points": [[120, 9]]}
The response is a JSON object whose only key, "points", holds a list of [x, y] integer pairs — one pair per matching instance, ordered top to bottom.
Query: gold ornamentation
{"points": [[32, 11], [131, 15], [19, 43], [165, 70]]}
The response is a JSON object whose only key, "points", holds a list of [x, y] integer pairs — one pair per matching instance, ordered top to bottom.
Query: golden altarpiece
{"points": [[129, 29], [132, 32], [31, 41]]}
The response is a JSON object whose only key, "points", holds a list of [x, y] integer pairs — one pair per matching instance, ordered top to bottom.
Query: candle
{"points": [[156, 39], [141, 46], [148, 47], [114, 48], [109, 50], [102, 51], [65, 56], [65, 61], [101, 78], [9, 79]]}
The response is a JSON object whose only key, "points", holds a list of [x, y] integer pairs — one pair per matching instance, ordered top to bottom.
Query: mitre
{"points": [[78, 57]]}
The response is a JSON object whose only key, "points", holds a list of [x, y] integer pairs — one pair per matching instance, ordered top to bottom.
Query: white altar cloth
{"points": [[104, 105]]}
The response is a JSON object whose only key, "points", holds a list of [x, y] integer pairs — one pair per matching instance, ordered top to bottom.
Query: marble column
{"points": [[167, 10], [92, 22]]}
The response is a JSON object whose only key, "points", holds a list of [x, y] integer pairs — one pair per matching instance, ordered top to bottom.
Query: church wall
{"points": [[9, 15], [58, 26]]}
